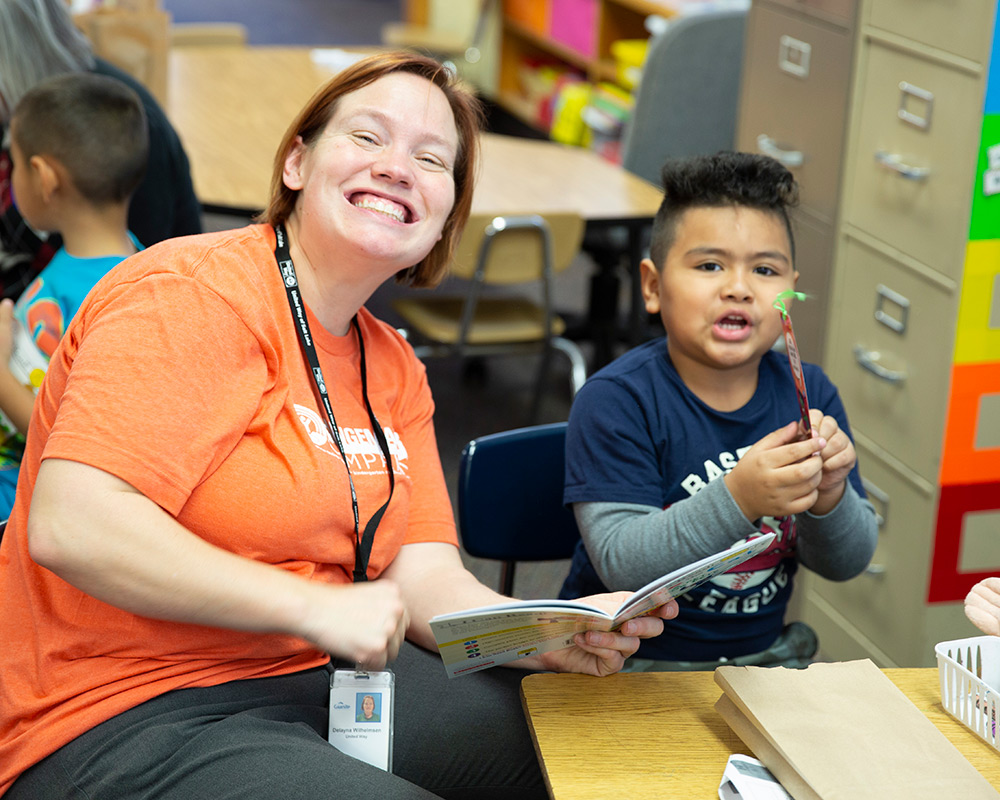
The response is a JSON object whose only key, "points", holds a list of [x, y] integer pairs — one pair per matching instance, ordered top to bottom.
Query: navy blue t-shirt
{"points": [[637, 434]]}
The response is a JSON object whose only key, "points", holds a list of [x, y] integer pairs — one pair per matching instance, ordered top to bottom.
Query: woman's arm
{"points": [[103, 536], [434, 581]]}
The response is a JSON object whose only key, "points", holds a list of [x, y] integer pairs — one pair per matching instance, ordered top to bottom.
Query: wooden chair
{"points": [[455, 37], [134, 41], [515, 254], [510, 508]]}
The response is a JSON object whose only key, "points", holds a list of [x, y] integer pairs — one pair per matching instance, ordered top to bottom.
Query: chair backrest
{"points": [[450, 29], [688, 98], [514, 246], [510, 488]]}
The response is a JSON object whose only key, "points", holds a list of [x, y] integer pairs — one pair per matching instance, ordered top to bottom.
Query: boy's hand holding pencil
{"points": [[837, 449]]}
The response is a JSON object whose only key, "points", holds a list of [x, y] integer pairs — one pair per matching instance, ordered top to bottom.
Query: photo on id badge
{"points": [[361, 705]]}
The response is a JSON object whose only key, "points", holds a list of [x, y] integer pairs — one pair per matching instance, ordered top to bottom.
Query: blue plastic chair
{"points": [[510, 508]]}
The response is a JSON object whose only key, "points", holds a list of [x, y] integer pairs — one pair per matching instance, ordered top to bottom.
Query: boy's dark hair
{"points": [[93, 125], [717, 181]]}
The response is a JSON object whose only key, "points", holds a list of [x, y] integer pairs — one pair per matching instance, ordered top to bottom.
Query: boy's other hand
{"points": [[6, 330], [838, 457], [778, 476]]}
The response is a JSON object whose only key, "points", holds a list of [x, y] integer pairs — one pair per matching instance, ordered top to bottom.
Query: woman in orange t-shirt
{"points": [[196, 554]]}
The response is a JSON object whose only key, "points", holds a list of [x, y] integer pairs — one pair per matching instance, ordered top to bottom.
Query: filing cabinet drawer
{"points": [[841, 11], [961, 27], [795, 84], [914, 158], [814, 261], [889, 354], [886, 603]]}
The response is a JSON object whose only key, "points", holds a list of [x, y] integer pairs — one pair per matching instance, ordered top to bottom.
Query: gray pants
{"points": [[794, 648], [265, 739]]}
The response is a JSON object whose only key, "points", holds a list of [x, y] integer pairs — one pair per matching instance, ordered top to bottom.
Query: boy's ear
{"points": [[48, 174], [649, 278]]}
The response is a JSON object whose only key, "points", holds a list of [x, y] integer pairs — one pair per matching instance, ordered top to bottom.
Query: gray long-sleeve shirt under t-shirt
{"points": [[631, 544]]}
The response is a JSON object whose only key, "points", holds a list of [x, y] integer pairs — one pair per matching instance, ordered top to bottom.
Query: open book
{"points": [[478, 638]]}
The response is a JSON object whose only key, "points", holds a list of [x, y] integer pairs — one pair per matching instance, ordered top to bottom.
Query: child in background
{"points": [[79, 145], [682, 448], [982, 605]]}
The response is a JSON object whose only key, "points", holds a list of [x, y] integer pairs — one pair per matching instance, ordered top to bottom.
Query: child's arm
{"points": [[16, 399], [838, 534], [631, 544]]}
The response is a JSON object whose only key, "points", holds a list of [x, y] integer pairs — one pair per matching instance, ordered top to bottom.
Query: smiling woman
{"points": [[200, 593]]}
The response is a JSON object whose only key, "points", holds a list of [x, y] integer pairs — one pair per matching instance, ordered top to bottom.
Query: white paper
{"points": [[746, 778]]}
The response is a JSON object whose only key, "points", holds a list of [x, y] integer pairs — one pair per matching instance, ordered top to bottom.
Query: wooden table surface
{"points": [[232, 104], [658, 735]]}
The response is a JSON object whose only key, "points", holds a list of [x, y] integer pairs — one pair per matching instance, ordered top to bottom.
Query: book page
{"points": [[682, 580], [485, 637]]}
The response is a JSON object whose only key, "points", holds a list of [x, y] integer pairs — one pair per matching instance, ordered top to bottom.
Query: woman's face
{"points": [[380, 177], [368, 705]]}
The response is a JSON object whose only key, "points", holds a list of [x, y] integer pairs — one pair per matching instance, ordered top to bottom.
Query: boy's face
{"points": [[715, 289]]}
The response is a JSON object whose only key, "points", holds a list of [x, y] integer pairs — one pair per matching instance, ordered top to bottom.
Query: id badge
{"points": [[361, 708]]}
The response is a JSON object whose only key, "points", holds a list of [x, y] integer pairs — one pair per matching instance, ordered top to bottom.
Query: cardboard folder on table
{"points": [[844, 731]]}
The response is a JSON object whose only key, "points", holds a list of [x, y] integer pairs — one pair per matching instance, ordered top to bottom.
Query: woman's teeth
{"points": [[382, 206]]}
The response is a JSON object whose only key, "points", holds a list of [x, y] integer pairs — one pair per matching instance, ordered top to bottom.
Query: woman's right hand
{"points": [[364, 623]]}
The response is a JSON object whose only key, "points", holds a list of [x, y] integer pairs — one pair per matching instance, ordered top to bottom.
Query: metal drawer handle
{"points": [[793, 56], [908, 91], [789, 158], [897, 165], [883, 294], [869, 360], [874, 492], [882, 497]]}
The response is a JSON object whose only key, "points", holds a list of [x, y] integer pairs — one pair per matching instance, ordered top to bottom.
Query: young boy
{"points": [[79, 146], [682, 448]]}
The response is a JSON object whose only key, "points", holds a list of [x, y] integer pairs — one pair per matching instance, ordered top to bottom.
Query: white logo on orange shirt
{"points": [[360, 445]]}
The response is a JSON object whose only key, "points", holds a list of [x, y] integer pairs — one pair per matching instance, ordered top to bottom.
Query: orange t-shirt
{"points": [[188, 382]]}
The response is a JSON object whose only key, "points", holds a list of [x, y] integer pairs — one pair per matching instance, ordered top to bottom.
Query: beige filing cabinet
{"points": [[793, 106], [910, 342]]}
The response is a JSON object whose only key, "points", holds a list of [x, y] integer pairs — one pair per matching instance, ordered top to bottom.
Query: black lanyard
{"points": [[362, 544]]}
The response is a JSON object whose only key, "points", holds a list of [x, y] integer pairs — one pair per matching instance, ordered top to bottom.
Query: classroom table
{"points": [[232, 104], [657, 736]]}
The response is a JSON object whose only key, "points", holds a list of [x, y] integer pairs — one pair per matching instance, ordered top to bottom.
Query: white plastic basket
{"points": [[969, 671]]}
